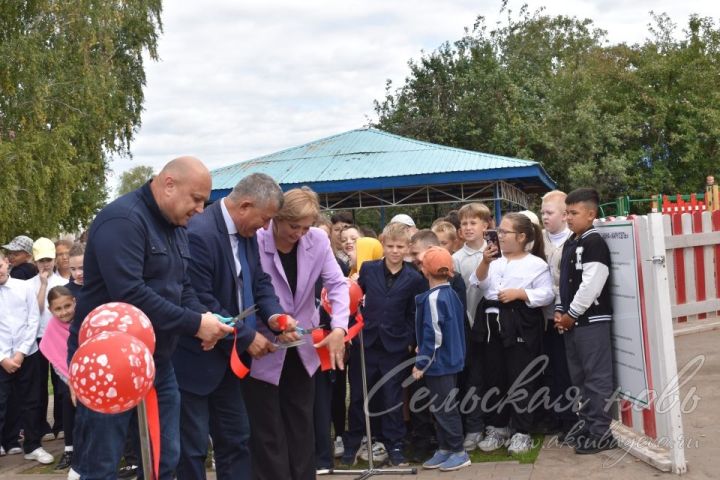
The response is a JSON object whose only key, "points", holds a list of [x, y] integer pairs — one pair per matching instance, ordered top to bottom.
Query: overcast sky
{"points": [[243, 78]]}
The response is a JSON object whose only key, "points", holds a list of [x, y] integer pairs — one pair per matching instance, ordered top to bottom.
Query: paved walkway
{"points": [[702, 429]]}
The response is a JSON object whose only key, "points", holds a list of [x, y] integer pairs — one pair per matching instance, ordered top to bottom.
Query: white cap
{"points": [[403, 218]]}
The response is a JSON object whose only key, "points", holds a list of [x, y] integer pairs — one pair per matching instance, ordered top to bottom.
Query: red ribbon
{"points": [[323, 352], [236, 365], [153, 419]]}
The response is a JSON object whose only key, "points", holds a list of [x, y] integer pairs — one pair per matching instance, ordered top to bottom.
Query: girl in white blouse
{"points": [[509, 324]]}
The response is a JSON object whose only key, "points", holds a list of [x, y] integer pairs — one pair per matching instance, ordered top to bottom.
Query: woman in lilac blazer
{"points": [[280, 391]]}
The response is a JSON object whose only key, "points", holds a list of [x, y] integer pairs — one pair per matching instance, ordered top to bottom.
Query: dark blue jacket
{"points": [[135, 255], [214, 277], [389, 314], [439, 322]]}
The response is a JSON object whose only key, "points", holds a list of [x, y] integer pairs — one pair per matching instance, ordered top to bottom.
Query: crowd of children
{"points": [[481, 315], [465, 323]]}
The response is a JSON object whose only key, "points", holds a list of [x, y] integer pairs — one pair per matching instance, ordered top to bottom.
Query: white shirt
{"points": [[234, 242], [466, 261], [529, 273], [53, 281], [19, 318]]}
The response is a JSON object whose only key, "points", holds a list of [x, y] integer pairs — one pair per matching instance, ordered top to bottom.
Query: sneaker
{"points": [[494, 438], [471, 440], [520, 443], [339, 447], [15, 451], [2, 452], [380, 454], [41, 456], [397, 458], [437, 459], [65, 461], [456, 461], [128, 471], [73, 475]]}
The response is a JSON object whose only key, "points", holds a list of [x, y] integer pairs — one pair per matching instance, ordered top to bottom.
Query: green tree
{"points": [[71, 95], [637, 119], [134, 178]]}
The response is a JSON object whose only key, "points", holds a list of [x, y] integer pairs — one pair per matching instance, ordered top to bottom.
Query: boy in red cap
{"points": [[441, 356]]}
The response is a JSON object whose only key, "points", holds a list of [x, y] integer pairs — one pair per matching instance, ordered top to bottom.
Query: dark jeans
{"points": [[589, 356], [378, 363], [42, 369], [557, 379], [473, 381], [24, 386], [338, 407], [68, 412], [223, 416], [281, 418], [448, 424], [100, 438]]}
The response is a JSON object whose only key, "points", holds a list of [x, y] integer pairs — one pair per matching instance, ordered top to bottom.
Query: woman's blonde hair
{"points": [[299, 203]]}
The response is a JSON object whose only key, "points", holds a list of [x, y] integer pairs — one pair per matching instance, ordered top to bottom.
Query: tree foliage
{"points": [[71, 95], [627, 119], [134, 178]]}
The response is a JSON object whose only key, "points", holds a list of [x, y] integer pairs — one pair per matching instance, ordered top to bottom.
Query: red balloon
{"points": [[356, 296], [118, 317], [112, 372]]}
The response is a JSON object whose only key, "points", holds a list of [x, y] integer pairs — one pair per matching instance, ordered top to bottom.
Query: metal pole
{"points": [[145, 451], [371, 470]]}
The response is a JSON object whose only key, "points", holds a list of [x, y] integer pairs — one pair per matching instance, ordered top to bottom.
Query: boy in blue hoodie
{"points": [[441, 356]]}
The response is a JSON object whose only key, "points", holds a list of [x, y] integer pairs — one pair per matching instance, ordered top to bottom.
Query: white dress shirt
{"points": [[232, 232], [19, 318]]}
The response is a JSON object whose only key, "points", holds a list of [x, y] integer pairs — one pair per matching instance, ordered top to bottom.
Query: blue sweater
{"points": [[135, 255], [440, 331]]}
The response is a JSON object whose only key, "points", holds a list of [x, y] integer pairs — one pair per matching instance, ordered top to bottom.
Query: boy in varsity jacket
{"points": [[583, 314]]}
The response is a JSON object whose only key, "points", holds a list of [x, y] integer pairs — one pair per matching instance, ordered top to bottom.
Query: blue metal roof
{"points": [[370, 159]]}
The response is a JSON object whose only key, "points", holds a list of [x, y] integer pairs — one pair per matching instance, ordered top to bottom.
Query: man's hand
{"points": [[563, 322], [211, 330], [288, 333], [335, 343], [260, 346], [10, 365], [417, 373]]}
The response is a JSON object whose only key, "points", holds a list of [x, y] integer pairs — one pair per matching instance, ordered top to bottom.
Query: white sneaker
{"points": [[494, 438], [471, 440], [520, 443], [339, 447], [378, 450], [14, 451], [2, 452], [40, 455], [73, 475]]}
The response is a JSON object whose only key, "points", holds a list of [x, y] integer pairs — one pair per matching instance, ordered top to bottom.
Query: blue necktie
{"points": [[246, 281]]}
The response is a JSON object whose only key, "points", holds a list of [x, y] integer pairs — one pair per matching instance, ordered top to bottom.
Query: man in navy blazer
{"points": [[226, 274]]}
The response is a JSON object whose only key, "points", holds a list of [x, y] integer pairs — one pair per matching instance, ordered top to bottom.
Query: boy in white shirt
{"points": [[18, 357]]}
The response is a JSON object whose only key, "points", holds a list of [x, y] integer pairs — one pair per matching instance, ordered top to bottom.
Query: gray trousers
{"points": [[589, 355]]}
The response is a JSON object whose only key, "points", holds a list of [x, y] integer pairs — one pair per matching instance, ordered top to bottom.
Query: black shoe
{"points": [[592, 444], [397, 458], [65, 461], [128, 471]]}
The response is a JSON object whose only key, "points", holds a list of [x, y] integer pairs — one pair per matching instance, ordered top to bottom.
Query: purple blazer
{"points": [[315, 259]]}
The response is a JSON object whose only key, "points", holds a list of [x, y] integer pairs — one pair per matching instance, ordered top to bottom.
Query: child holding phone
{"points": [[509, 321]]}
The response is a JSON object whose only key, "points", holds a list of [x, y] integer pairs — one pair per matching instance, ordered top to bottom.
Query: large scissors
{"points": [[231, 321]]}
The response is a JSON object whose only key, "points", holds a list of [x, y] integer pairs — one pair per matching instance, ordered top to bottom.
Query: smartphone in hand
{"points": [[491, 237]]}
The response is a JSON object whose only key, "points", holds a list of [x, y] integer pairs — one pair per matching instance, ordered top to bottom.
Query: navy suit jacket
{"points": [[213, 274], [389, 314]]}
